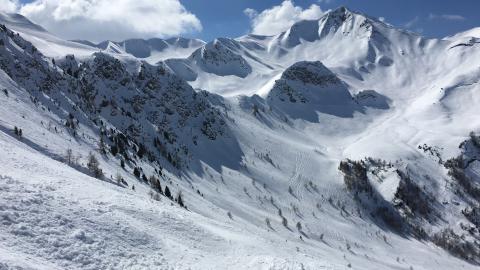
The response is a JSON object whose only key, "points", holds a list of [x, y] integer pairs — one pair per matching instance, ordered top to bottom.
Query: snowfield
{"points": [[342, 143]]}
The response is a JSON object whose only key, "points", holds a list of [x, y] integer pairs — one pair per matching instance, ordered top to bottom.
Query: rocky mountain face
{"points": [[151, 109]]}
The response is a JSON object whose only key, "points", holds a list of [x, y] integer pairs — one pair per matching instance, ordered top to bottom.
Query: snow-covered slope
{"points": [[49, 44], [152, 50], [306, 88], [342, 143]]}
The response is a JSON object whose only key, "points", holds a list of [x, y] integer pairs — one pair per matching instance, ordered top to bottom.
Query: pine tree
{"points": [[15, 130], [101, 146], [114, 150], [141, 151], [69, 158], [94, 166], [136, 172], [155, 184], [168, 193], [180, 200], [285, 222], [299, 226]]}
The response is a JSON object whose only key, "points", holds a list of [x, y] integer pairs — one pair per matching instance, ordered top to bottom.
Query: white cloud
{"points": [[9, 6], [250, 12], [449, 17], [279, 18], [98, 20]]}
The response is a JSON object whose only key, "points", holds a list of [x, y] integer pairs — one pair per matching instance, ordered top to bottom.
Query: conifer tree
{"points": [[168, 193], [180, 200]]}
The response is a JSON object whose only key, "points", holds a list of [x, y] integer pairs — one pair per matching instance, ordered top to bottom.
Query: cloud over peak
{"points": [[279, 18]]}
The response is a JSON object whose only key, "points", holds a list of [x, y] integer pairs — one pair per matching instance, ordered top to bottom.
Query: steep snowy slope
{"points": [[49, 44], [335, 145]]}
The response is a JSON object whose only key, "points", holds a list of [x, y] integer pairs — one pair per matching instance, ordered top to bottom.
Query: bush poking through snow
{"points": [[18, 131], [69, 158], [94, 166], [136, 172], [155, 184], [168, 194], [180, 200], [267, 221], [285, 222], [299, 226]]}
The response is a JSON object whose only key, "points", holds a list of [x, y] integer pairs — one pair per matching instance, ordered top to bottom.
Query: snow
{"points": [[49, 44], [152, 50], [368, 90]]}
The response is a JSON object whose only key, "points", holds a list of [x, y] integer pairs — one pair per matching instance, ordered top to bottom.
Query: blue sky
{"points": [[226, 17], [207, 19]]}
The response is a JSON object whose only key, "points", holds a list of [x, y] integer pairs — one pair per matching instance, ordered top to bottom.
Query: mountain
{"points": [[49, 44], [152, 50], [306, 88], [340, 143]]}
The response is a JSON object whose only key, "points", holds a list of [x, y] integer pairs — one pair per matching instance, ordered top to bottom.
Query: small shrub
{"points": [[69, 158], [94, 166], [136, 172], [168, 194], [180, 200], [284, 222], [299, 226]]}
